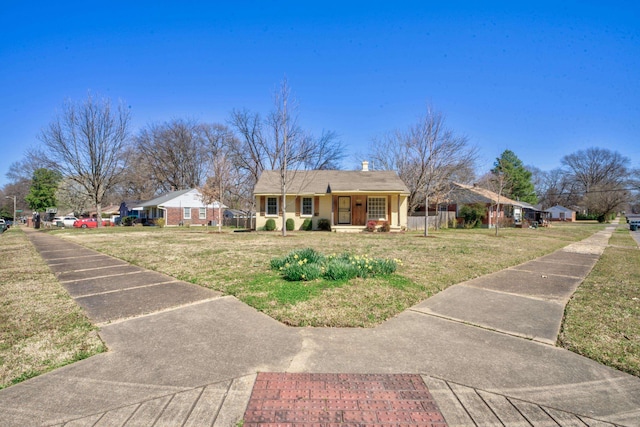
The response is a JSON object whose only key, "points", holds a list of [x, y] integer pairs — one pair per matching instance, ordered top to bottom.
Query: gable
{"points": [[322, 181], [466, 194]]}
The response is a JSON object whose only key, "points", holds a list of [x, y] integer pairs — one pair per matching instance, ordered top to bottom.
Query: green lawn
{"points": [[238, 264], [602, 320], [41, 328]]}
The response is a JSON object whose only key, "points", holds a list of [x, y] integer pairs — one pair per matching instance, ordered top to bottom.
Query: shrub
{"points": [[473, 214], [586, 217], [127, 220], [160, 222], [270, 224], [290, 224], [324, 224], [307, 225], [371, 226], [385, 227], [308, 254], [307, 264], [339, 269], [300, 271]]}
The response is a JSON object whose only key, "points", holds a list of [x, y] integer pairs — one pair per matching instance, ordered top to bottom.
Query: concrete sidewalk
{"points": [[183, 355]]}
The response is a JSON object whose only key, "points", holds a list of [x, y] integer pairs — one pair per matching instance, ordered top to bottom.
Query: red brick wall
{"points": [[175, 216]]}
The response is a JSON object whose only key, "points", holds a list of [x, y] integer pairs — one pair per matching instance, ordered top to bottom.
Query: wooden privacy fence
{"points": [[442, 220]]}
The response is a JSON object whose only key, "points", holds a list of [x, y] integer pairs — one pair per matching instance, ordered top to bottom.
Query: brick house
{"points": [[183, 207], [498, 208]]}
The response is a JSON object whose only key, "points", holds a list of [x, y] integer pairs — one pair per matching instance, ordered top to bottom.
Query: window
{"points": [[272, 206], [307, 206], [377, 208], [186, 213], [203, 213]]}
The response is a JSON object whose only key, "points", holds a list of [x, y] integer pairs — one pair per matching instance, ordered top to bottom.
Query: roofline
{"points": [[400, 192]]}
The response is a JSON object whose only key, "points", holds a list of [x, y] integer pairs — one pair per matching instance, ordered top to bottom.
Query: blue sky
{"points": [[543, 79]]}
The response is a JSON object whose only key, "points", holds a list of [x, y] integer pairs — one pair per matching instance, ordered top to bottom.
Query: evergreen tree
{"points": [[519, 185], [42, 194]]}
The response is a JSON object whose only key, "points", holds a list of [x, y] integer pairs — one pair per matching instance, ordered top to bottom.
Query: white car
{"points": [[67, 221]]}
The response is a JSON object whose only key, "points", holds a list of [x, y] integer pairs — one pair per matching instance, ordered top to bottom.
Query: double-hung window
{"points": [[272, 206], [307, 206], [377, 208], [186, 213], [203, 213]]}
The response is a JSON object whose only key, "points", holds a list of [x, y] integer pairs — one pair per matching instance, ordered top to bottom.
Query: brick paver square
{"points": [[309, 400]]}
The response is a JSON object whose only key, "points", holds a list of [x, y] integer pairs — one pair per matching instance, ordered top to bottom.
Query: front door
{"points": [[344, 210], [359, 216]]}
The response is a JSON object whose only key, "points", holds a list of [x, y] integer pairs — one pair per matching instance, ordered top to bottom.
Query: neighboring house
{"points": [[347, 199], [184, 207], [126, 208], [510, 211], [111, 212], [534, 213], [560, 213]]}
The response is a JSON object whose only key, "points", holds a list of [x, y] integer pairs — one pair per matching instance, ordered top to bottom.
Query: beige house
{"points": [[347, 199]]}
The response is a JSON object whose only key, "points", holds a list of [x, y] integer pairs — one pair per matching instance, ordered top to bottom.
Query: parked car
{"points": [[67, 221], [90, 223], [3, 226]]}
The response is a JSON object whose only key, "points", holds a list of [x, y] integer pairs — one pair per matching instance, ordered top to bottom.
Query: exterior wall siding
{"points": [[322, 209], [175, 217]]}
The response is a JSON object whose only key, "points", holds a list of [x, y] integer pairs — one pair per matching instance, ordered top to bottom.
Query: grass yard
{"points": [[238, 264], [602, 319], [41, 327]]}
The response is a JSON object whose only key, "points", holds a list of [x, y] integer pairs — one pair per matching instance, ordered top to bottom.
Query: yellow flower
{"points": [[295, 256]]}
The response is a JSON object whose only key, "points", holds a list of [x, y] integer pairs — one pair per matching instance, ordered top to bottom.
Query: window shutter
{"points": [[262, 205], [297, 206], [316, 206], [389, 209]]}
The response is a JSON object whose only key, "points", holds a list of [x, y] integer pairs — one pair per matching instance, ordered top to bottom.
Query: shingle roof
{"points": [[319, 181], [472, 194], [162, 199]]}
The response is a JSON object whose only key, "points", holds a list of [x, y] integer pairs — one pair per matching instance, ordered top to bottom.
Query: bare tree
{"points": [[86, 143], [278, 143], [175, 154], [427, 157], [221, 171], [603, 177], [137, 183], [72, 196]]}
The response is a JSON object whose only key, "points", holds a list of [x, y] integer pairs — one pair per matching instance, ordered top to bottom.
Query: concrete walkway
{"points": [[183, 355]]}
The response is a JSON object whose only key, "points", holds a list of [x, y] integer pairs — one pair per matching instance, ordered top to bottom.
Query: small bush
{"points": [[473, 214], [127, 220], [160, 222], [270, 224], [290, 224], [324, 224], [307, 225], [371, 226], [385, 227], [308, 254], [307, 264], [339, 269], [301, 272]]}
